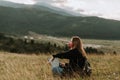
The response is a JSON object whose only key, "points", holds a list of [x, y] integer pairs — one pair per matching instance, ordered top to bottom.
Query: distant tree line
{"points": [[17, 45], [22, 46], [89, 50], [92, 50]]}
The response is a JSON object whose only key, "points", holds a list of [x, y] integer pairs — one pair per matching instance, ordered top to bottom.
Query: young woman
{"points": [[76, 55]]}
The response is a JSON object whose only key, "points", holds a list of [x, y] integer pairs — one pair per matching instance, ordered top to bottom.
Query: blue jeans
{"points": [[57, 70]]}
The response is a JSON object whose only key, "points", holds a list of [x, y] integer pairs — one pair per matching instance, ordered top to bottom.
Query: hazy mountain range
{"points": [[41, 5], [46, 19]]}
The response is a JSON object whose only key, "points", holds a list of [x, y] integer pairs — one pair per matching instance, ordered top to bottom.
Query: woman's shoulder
{"points": [[73, 50]]}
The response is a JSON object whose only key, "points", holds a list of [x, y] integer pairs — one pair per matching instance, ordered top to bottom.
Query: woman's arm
{"points": [[64, 55]]}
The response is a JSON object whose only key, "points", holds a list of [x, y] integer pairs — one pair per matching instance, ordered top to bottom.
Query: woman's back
{"points": [[76, 59]]}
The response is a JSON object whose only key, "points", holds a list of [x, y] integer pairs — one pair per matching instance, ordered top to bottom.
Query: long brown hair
{"points": [[77, 43]]}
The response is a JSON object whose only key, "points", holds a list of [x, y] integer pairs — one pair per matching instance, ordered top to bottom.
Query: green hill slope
{"points": [[22, 20]]}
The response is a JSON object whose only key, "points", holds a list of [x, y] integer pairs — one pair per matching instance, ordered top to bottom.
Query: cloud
{"points": [[23, 1], [52, 1], [102, 8]]}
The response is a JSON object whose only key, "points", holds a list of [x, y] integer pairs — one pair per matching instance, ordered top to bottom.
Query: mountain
{"points": [[11, 4], [43, 6], [59, 10], [22, 20]]}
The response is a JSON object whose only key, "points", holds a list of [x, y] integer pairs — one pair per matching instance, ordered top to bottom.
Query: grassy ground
{"points": [[35, 67]]}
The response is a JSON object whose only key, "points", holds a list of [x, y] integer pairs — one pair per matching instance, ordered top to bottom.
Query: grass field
{"points": [[35, 67]]}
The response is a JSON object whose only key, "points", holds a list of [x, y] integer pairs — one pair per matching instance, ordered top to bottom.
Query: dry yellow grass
{"points": [[35, 67]]}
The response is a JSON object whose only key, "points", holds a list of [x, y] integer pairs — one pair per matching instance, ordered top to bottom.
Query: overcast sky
{"points": [[103, 8]]}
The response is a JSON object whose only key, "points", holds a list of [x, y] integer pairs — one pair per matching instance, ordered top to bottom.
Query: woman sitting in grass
{"points": [[76, 55]]}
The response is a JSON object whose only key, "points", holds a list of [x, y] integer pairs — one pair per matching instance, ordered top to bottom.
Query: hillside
{"points": [[10, 4], [41, 6], [51, 8], [22, 20]]}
